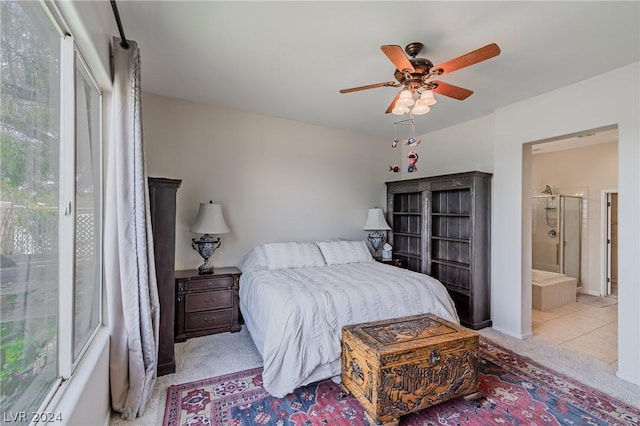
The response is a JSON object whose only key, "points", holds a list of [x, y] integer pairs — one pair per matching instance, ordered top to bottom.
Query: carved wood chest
{"points": [[398, 366]]}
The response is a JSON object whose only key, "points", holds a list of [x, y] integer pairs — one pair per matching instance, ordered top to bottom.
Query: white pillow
{"points": [[341, 252], [292, 255], [254, 259]]}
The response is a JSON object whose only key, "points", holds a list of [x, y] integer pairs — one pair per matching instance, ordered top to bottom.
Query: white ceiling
{"points": [[289, 59]]}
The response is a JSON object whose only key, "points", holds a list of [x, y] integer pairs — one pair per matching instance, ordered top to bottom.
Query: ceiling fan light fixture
{"points": [[427, 98], [405, 99], [420, 109], [399, 110]]}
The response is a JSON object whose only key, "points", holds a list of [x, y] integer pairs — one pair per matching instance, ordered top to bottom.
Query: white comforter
{"points": [[297, 314]]}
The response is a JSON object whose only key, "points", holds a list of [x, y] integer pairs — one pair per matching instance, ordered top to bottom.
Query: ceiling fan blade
{"points": [[478, 55], [397, 56], [371, 86], [455, 92], [393, 103]]}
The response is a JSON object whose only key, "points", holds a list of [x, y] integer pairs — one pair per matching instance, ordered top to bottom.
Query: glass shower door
{"points": [[571, 232], [545, 238]]}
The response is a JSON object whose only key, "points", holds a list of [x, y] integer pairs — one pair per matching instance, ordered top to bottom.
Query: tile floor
{"points": [[587, 329]]}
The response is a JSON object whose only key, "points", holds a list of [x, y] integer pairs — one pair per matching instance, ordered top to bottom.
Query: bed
{"points": [[295, 298]]}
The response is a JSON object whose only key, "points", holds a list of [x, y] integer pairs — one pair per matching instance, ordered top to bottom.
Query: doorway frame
{"points": [[604, 236]]}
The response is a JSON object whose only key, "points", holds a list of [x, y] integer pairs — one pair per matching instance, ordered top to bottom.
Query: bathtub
{"points": [[539, 275], [551, 290]]}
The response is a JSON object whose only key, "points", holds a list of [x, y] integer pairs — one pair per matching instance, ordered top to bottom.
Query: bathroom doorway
{"points": [[582, 167]]}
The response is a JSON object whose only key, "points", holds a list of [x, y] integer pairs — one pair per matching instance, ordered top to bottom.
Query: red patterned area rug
{"points": [[515, 391]]}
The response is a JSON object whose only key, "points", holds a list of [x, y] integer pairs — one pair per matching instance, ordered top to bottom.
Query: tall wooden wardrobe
{"points": [[162, 203], [441, 227]]}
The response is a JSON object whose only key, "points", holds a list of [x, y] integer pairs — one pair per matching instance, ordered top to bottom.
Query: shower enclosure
{"points": [[557, 229]]}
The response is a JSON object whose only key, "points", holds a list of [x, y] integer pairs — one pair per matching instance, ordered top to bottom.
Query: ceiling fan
{"points": [[416, 75]]}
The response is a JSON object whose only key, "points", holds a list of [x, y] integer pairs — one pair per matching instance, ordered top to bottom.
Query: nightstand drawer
{"points": [[211, 283], [208, 300], [209, 319]]}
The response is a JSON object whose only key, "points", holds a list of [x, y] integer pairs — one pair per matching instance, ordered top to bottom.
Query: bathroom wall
{"points": [[586, 172]]}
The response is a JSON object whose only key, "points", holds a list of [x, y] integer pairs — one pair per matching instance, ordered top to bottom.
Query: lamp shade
{"points": [[210, 220], [376, 221]]}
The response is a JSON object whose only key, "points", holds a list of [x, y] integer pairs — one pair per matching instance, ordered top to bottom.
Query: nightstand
{"points": [[393, 262], [206, 304]]}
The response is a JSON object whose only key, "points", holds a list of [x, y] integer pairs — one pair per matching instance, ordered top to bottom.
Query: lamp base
{"points": [[376, 240], [205, 246], [206, 268]]}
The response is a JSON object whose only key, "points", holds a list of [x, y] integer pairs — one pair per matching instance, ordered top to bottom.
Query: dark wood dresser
{"points": [[162, 206], [206, 304]]}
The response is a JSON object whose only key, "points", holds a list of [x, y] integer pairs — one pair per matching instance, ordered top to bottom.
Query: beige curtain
{"points": [[129, 265]]}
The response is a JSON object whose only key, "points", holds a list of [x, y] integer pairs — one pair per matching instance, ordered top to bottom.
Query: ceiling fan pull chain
{"points": [[413, 126], [395, 135]]}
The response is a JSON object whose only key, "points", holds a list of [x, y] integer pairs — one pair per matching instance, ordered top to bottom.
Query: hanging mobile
{"points": [[406, 122], [411, 141]]}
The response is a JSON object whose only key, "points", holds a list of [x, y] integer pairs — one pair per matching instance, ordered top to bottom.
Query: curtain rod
{"points": [[124, 43]]}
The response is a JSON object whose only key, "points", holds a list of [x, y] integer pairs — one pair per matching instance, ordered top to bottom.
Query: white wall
{"points": [[92, 25], [572, 109], [461, 148], [584, 171], [277, 180], [85, 399]]}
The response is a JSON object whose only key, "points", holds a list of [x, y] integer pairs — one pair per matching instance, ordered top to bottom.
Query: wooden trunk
{"points": [[398, 366]]}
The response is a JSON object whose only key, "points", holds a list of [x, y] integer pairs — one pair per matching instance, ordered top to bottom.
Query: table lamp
{"points": [[209, 221], [376, 222]]}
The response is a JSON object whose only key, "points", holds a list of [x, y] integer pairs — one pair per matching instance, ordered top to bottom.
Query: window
{"points": [[88, 203], [50, 207]]}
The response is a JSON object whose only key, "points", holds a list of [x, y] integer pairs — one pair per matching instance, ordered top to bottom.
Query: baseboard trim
{"points": [[510, 333]]}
